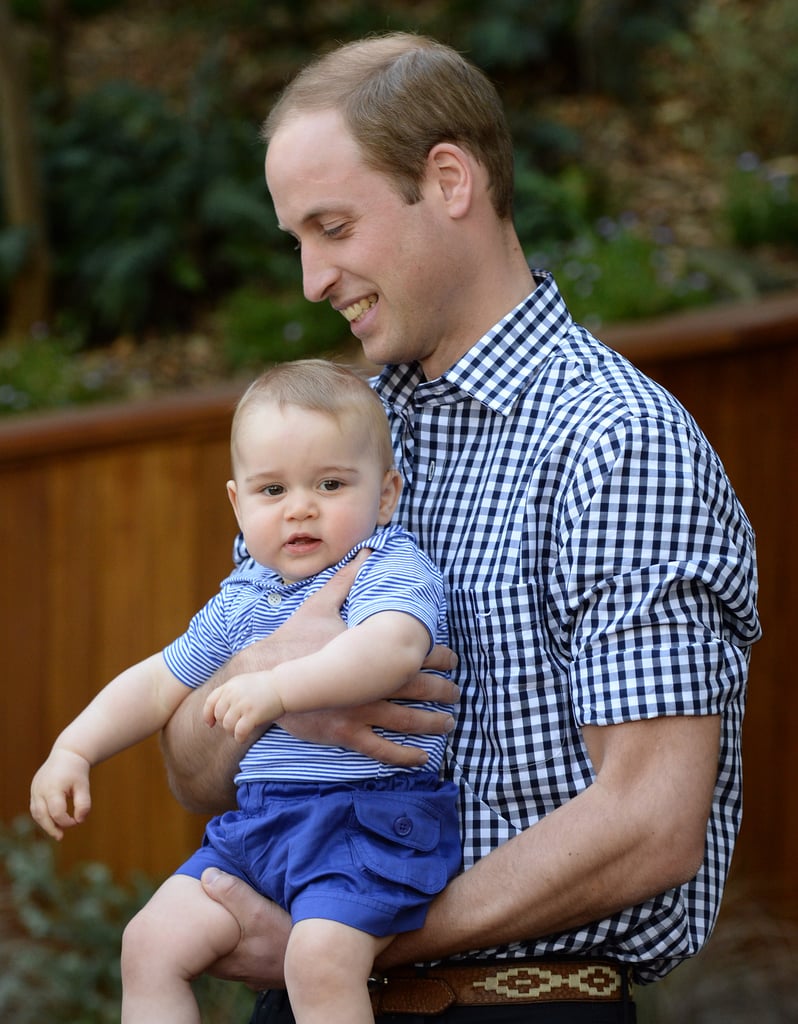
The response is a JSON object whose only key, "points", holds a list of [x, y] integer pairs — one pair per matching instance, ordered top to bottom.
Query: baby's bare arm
{"points": [[130, 708]]}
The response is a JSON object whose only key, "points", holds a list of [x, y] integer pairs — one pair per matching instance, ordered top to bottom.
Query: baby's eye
{"points": [[330, 485], [273, 490]]}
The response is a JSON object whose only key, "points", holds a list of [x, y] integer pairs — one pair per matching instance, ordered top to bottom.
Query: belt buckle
{"points": [[376, 982]]}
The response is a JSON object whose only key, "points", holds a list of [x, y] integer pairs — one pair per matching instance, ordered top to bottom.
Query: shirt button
{"points": [[274, 599], [403, 826]]}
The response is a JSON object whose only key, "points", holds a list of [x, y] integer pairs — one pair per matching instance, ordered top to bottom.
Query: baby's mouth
{"points": [[357, 309], [301, 542]]}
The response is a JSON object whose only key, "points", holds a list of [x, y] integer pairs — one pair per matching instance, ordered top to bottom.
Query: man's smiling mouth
{"points": [[357, 309]]}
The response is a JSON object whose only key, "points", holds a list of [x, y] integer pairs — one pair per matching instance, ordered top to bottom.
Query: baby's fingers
{"points": [[209, 709], [243, 728], [59, 794], [81, 801], [52, 812], [40, 813]]}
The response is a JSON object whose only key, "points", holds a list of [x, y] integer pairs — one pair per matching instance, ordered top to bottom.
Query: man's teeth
{"points": [[359, 308]]}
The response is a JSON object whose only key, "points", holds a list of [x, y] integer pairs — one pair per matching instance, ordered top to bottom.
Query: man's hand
{"points": [[353, 728], [201, 762], [258, 958]]}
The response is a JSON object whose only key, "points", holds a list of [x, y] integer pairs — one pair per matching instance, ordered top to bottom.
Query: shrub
{"points": [[737, 69], [762, 202], [153, 213], [615, 272], [257, 328], [44, 373], [60, 939]]}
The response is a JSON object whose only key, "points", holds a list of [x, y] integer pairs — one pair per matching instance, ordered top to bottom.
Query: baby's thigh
{"points": [[180, 930]]}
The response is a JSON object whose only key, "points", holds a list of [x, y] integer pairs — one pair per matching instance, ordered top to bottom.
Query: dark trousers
{"points": [[274, 1008]]}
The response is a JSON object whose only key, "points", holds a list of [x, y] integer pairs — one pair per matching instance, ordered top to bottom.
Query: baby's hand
{"points": [[242, 704], [64, 776]]}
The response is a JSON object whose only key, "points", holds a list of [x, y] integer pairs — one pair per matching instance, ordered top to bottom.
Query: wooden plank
{"points": [[745, 400], [115, 528]]}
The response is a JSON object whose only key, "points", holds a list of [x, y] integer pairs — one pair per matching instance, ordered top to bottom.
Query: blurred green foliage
{"points": [[762, 206], [153, 213], [159, 219], [619, 273], [257, 328], [42, 373], [60, 938]]}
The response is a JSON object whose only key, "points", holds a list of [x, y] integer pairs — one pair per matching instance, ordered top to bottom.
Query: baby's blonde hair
{"points": [[322, 386]]}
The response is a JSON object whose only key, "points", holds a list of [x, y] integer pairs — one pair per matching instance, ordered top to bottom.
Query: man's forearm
{"points": [[201, 762], [636, 832], [633, 834], [520, 891]]}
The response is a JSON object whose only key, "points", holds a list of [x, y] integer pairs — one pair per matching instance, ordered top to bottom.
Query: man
{"points": [[600, 572]]}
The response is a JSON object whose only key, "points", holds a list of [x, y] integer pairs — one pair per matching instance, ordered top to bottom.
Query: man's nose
{"points": [[319, 274]]}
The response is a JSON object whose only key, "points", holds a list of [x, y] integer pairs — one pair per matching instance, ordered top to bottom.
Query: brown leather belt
{"points": [[429, 991]]}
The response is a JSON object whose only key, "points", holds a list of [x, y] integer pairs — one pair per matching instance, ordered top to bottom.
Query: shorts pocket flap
{"points": [[401, 819], [423, 871]]}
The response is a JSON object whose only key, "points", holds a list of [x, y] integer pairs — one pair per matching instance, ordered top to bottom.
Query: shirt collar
{"points": [[499, 366]]}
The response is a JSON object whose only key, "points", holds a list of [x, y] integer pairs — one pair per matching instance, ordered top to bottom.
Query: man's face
{"points": [[380, 262]]}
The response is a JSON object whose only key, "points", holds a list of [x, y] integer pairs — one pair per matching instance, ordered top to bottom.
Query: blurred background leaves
{"points": [[656, 169]]}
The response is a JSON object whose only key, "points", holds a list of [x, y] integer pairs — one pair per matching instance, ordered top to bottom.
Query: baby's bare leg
{"points": [[175, 937], [327, 966]]}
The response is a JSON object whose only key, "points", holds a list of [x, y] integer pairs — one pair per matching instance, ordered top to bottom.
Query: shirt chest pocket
{"points": [[516, 691]]}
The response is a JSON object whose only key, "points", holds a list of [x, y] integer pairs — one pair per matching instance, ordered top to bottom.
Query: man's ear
{"points": [[450, 169], [389, 496]]}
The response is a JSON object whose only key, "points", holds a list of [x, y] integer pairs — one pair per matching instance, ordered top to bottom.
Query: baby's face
{"points": [[307, 488]]}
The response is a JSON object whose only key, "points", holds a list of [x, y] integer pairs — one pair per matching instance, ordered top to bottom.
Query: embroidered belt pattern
{"points": [[597, 981]]}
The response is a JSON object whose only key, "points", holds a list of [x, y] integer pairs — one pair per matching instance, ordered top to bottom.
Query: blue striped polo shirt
{"points": [[253, 601]]}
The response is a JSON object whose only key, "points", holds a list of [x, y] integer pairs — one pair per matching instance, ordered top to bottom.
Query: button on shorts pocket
{"points": [[398, 839]]}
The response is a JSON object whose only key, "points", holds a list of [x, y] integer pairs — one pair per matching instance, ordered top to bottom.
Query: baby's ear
{"points": [[232, 494], [389, 496]]}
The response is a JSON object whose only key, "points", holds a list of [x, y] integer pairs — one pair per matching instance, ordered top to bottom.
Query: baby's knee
{"points": [[140, 943], [321, 954], [311, 959]]}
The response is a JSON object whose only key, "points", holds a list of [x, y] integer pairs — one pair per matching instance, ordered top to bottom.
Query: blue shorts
{"points": [[369, 854]]}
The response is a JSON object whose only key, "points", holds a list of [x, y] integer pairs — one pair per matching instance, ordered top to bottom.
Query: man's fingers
{"points": [[337, 589], [440, 659], [428, 686], [401, 718], [400, 756], [233, 894], [258, 958]]}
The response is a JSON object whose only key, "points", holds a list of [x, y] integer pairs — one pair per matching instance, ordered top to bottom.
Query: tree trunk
{"points": [[29, 292]]}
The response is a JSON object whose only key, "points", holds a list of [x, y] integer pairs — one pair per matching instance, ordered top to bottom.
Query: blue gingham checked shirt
{"points": [[599, 569]]}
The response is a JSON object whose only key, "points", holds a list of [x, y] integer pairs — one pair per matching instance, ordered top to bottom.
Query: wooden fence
{"points": [[115, 527]]}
